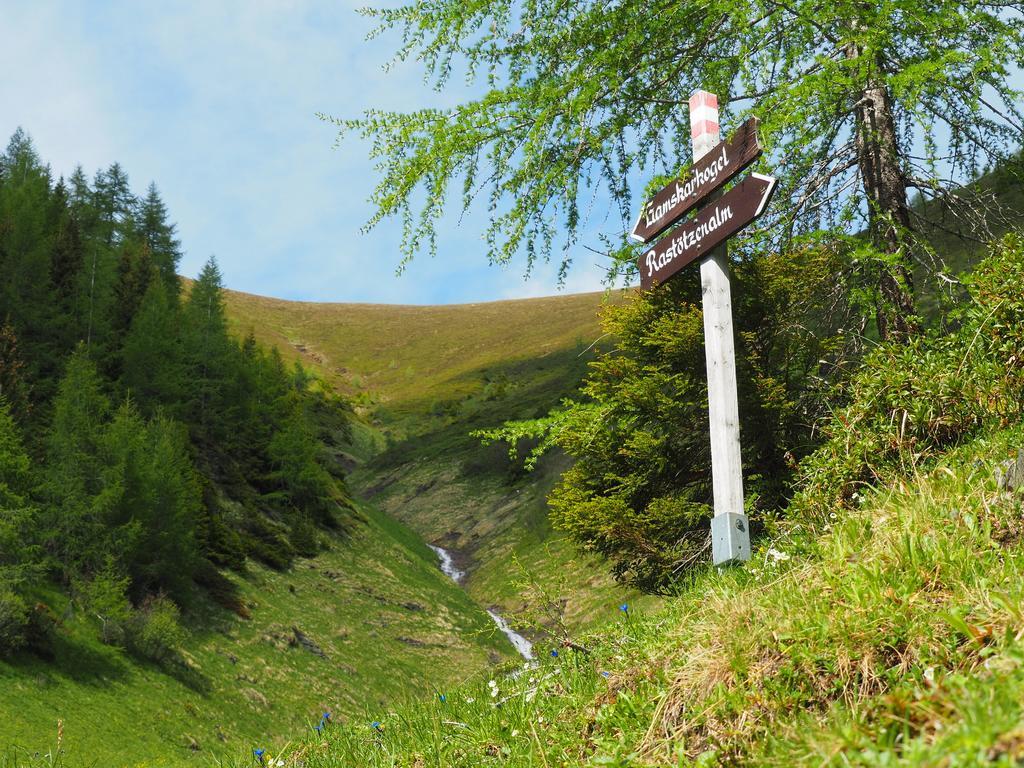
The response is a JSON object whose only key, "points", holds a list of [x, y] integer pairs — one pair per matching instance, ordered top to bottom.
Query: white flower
{"points": [[776, 555], [929, 675], [470, 701]]}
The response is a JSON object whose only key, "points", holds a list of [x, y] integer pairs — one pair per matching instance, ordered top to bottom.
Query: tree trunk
{"points": [[878, 156]]}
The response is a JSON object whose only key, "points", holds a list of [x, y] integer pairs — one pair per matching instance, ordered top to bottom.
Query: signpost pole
{"points": [[730, 537]]}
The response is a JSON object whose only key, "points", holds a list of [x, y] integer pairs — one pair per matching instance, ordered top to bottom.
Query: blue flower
{"points": [[624, 607], [554, 654], [604, 675], [442, 698], [325, 717], [375, 725], [319, 728], [258, 754]]}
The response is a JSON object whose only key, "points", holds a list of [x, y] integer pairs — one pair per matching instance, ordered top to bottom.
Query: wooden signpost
{"points": [[704, 177], [704, 236]]}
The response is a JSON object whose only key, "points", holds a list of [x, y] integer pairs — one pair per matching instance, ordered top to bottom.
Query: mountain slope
{"points": [[426, 378], [368, 623], [892, 637]]}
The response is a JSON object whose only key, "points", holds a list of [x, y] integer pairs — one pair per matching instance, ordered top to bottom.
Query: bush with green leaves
{"points": [[913, 400], [105, 597], [14, 620], [155, 632]]}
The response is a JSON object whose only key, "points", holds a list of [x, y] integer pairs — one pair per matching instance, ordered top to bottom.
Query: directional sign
{"points": [[707, 174], [715, 224]]}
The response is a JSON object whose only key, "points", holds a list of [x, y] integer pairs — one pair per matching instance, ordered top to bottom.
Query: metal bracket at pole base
{"points": [[730, 538]]}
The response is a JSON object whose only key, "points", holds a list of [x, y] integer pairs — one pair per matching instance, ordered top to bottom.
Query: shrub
{"points": [[913, 400], [640, 492], [105, 598], [14, 620], [155, 631]]}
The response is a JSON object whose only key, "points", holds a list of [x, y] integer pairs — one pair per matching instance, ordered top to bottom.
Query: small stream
{"points": [[520, 643]]}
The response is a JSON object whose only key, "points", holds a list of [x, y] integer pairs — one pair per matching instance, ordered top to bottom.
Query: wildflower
{"points": [[776, 555], [624, 607], [554, 653], [605, 675], [929, 675], [442, 698], [470, 700], [325, 717], [376, 726], [319, 728], [258, 755]]}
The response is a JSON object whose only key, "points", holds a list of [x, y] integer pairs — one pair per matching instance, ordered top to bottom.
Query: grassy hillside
{"points": [[411, 359], [427, 377], [387, 623], [893, 636]]}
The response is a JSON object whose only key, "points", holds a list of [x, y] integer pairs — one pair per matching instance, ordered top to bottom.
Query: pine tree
{"points": [[115, 204], [160, 236], [27, 297], [207, 351], [152, 366], [13, 387], [80, 411], [149, 502], [17, 551]]}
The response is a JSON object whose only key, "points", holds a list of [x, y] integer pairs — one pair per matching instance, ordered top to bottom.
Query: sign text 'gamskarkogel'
{"points": [[707, 174]]}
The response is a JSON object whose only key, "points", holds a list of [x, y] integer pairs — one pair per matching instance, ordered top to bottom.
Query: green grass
{"points": [[408, 358], [388, 621], [893, 636]]}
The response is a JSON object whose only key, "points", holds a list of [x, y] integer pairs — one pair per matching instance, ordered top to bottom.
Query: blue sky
{"points": [[216, 103]]}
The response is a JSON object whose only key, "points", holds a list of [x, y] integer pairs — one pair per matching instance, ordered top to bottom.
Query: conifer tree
{"points": [[115, 204], [160, 236], [27, 299], [207, 349], [152, 353], [13, 387], [80, 412], [149, 502], [17, 550]]}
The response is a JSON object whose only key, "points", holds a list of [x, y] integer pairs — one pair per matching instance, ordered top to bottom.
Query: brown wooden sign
{"points": [[707, 174], [715, 224]]}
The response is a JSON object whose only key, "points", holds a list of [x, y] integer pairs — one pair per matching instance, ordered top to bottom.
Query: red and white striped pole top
{"points": [[704, 123]]}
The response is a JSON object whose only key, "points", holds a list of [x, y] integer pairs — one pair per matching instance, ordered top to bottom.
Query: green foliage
{"points": [[577, 99], [909, 402], [294, 453], [639, 492], [137, 498], [149, 502], [105, 596], [14, 620], [155, 632]]}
